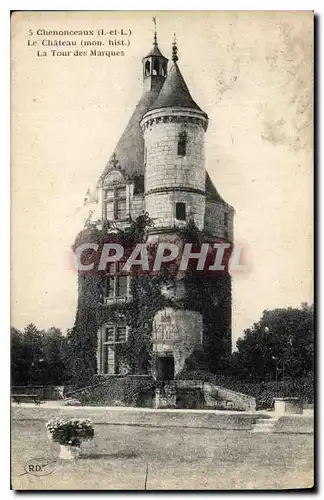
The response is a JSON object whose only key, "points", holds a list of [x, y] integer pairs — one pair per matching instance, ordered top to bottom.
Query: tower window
{"points": [[147, 68], [182, 144], [181, 211]]}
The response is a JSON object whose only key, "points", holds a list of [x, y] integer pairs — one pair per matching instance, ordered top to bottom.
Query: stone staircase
{"points": [[166, 396], [264, 424]]}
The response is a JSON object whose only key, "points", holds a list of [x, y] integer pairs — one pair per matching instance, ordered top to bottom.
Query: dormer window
{"points": [[182, 144], [115, 203], [180, 211]]}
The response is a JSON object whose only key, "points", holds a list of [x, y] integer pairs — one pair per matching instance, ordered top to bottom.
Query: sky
{"points": [[251, 72]]}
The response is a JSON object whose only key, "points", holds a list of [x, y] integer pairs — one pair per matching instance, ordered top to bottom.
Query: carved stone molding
{"points": [[174, 119]]}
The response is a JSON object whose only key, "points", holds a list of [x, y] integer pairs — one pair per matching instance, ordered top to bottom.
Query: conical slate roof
{"points": [[155, 52], [175, 93], [130, 147], [129, 151], [211, 192]]}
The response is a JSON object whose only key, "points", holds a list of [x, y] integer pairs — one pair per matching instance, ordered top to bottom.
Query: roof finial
{"points": [[155, 35], [175, 57]]}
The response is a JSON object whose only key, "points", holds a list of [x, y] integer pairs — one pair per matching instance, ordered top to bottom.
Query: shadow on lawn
{"points": [[121, 454]]}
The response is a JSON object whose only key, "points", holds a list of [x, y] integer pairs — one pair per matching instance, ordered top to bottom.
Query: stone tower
{"points": [[174, 129], [158, 167], [175, 175]]}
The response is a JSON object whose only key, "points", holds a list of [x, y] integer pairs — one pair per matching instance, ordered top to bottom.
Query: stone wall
{"points": [[164, 168], [171, 178], [137, 206], [162, 208], [215, 218], [48, 392], [238, 400], [142, 417]]}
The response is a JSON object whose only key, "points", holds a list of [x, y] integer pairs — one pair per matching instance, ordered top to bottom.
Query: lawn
{"points": [[125, 457]]}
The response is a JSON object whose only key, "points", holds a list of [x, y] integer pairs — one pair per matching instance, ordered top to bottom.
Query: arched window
{"points": [[156, 67], [147, 68], [164, 69], [182, 144]]}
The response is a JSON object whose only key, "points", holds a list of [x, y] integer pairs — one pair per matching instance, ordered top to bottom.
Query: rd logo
{"points": [[40, 466]]}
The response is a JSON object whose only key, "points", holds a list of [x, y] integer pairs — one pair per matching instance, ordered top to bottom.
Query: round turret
{"points": [[175, 176]]}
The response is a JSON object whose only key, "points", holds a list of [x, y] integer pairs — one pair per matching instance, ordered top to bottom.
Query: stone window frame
{"points": [[182, 143], [114, 199], [179, 206], [114, 276], [114, 327], [106, 344]]}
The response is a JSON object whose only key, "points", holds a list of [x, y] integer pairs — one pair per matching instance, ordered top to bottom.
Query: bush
{"points": [[135, 388], [118, 391], [263, 392]]}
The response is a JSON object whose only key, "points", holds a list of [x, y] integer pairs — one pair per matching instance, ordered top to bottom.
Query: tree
{"points": [[280, 345], [55, 353], [34, 355], [38, 357], [18, 363]]}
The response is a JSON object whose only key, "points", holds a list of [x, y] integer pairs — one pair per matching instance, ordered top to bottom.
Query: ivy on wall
{"points": [[208, 294]]}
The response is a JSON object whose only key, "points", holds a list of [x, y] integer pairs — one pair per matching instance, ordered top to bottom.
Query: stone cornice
{"points": [[174, 115], [175, 189]]}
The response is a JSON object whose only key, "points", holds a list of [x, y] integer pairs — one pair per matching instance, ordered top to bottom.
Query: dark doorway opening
{"points": [[165, 368]]}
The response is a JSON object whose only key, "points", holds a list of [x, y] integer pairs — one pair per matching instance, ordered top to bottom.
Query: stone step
{"points": [[267, 420], [264, 425], [260, 430]]}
